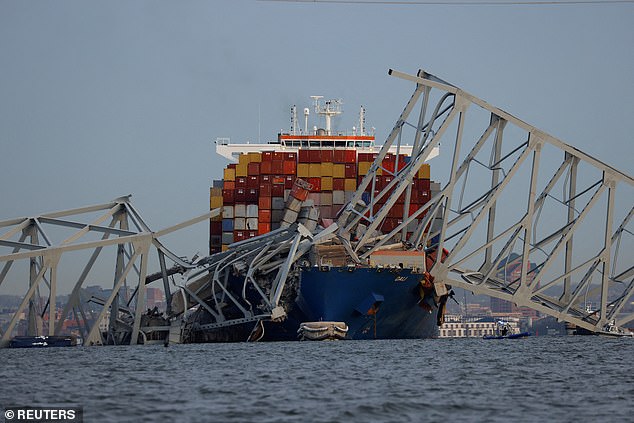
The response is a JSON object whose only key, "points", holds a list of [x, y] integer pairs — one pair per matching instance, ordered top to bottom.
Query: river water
{"points": [[554, 379]]}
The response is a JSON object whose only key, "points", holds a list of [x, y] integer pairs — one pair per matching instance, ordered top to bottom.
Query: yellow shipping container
{"points": [[255, 157], [244, 159], [363, 168], [242, 169], [326, 169], [303, 170], [314, 170], [339, 171], [424, 172], [230, 174], [326, 183], [350, 184], [215, 192], [215, 202], [225, 247]]}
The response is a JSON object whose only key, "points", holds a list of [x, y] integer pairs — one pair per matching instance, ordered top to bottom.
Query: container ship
{"points": [[308, 177]]}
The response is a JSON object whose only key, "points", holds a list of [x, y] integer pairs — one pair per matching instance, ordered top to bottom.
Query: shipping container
{"points": [[253, 168], [303, 169], [326, 183], [264, 203]]}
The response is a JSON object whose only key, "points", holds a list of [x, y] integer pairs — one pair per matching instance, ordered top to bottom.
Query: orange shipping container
{"points": [[264, 203], [264, 216], [264, 228]]}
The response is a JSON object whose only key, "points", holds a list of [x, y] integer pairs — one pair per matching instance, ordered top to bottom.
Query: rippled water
{"points": [[544, 378]]}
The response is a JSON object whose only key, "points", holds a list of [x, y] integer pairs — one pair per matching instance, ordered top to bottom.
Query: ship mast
{"points": [[328, 109]]}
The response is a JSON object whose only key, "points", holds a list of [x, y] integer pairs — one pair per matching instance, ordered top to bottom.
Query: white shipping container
{"points": [[338, 197], [240, 210], [252, 210], [227, 212], [240, 224], [252, 224]]}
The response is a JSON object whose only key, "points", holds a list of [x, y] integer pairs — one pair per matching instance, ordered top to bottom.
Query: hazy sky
{"points": [[103, 99]]}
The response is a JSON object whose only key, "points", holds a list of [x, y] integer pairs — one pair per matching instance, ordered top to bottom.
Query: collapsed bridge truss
{"points": [[522, 216]]}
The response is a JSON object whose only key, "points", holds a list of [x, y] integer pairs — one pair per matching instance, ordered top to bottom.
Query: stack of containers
{"points": [[254, 192], [215, 224]]}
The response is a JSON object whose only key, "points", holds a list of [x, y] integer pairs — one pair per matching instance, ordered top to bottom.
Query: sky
{"points": [[104, 99]]}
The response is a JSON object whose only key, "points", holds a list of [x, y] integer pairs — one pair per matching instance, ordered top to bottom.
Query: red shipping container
{"points": [[267, 156], [278, 156], [290, 156], [304, 156], [315, 156], [327, 156], [339, 156], [350, 156], [363, 157], [232, 165], [277, 166], [388, 166], [289, 167], [253, 168], [266, 168], [351, 170], [265, 179], [278, 180], [289, 180], [241, 182], [253, 182], [316, 183], [338, 184], [422, 184], [229, 185], [265, 189], [277, 190], [300, 193], [241, 195], [228, 196], [252, 196], [264, 202], [396, 211], [264, 216], [215, 227], [264, 228], [252, 234], [239, 236]]}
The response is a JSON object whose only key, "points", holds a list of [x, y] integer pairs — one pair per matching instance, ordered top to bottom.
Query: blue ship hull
{"points": [[375, 304]]}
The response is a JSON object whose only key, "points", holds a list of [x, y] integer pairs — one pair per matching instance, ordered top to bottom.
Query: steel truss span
{"points": [[522, 215], [39, 248]]}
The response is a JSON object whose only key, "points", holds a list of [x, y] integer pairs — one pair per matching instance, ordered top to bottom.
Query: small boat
{"points": [[503, 330], [321, 331], [43, 341]]}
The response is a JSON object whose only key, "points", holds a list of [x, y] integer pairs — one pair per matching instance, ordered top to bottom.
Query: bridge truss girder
{"points": [[507, 230], [44, 240]]}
